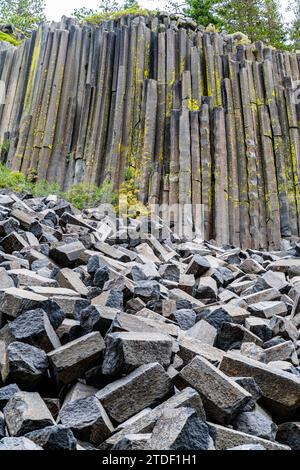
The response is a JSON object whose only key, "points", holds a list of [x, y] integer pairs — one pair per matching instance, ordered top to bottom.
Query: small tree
{"points": [[130, 4], [202, 11], [24, 14], [243, 16], [295, 27], [274, 31]]}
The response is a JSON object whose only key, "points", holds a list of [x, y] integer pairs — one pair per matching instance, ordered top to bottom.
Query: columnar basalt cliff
{"points": [[201, 117]]}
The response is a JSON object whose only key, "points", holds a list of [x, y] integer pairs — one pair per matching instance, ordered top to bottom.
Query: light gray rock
{"points": [[128, 350], [71, 361], [141, 388], [223, 399], [26, 412], [18, 443]]}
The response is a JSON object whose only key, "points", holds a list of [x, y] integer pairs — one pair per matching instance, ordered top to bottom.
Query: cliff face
{"points": [[200, 118]]}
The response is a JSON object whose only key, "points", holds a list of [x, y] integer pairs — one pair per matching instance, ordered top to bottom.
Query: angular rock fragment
{"points": [[8, 226], [13, 242], [67, 255], [198, 266], [26, 278], [5, 280], [71, 280], [262, 296], [15, 301], [268, 308], [97, 318], [185, 318], [33, 327], [259, 327], [284, 327], [203, 331], [231, 336], [190, 347], [127, 351], [71, 361], [25, 365], [270, 380], [249, 384], [138, 390], [78, 391], [6, 393], [223, 399], [26, 412], [87, 419], [145, 420], [255, 423], [179, 429], [289, 434], [53, 438], [226, 438], [133, 442], [18, 443]]}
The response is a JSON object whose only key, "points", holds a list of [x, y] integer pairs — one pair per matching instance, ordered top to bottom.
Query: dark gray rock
{"points": [[198, 266], [147, 290], [97, 318], [185, 318], [34, 328], [231, 336], [26, 365], [249, 384], [6, 393], [87, 419], [255, 423], [180, 429], [289, 434], [53, 438]]}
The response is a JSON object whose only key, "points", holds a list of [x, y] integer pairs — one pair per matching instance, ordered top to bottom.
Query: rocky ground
{"points": [[121, 340]]}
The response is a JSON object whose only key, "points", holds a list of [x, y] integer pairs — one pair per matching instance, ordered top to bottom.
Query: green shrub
{"points": [[116, 15], [4, 147], [11, 179], [44, 188], [81, 195], [86, 195]]}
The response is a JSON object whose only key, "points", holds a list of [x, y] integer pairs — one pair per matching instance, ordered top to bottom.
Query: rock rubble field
{"points": [[135, 339]]}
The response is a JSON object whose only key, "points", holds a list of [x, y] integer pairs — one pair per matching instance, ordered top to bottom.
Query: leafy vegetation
{"points": [[108, 9], [23, 14], [116, 15], [257, 19], [295, 26], [80, 195], [84, 195], [129, 203]]}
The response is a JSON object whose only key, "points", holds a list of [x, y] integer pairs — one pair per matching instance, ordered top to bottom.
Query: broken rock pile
{"points": [[117, 339]]}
